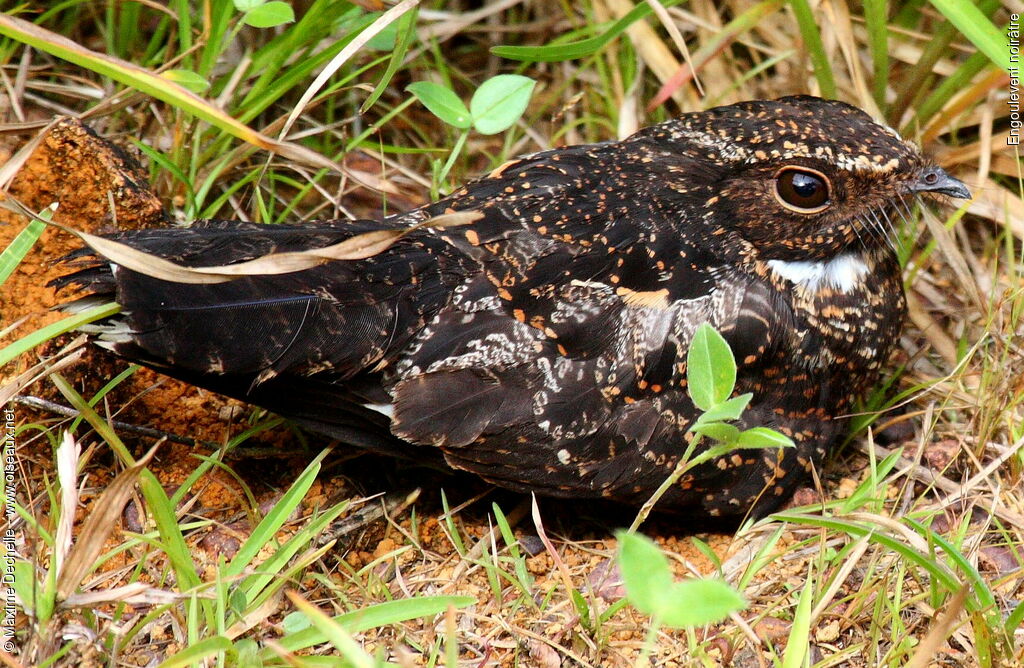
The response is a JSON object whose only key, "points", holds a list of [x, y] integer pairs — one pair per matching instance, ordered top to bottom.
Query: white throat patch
{"points": [[842, 272]]}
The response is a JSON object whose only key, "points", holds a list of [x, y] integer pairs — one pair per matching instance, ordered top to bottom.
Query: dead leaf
{"points": [[98, 527]]}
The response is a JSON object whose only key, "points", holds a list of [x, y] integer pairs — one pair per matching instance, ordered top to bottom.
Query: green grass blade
{"points": [[876, 14], [976, 27], [406, 34], [815, 47], [558, 52], [151, 84], [19, 248], [44, 334], [157, 502], [275, 519], [938, 571], [980, 589], [374, 616], [800, 633], [194, 653]]}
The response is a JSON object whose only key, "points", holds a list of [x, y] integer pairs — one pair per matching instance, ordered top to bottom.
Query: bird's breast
{"points": [[848, 313]]}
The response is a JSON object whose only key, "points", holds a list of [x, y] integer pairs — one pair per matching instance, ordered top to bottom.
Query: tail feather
{"points": [[306, 344]]}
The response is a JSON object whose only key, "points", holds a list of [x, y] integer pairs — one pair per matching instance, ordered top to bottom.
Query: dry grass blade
{"points": [[386, 19], [714, 47], [652, 50], [14, 164], [357, 247], [68, 356], [67, 463], [538, 524], [98, 526], [136, 593], [929, 647]]}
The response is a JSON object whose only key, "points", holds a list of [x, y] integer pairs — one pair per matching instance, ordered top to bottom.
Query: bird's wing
{"points": [[575, 336]]}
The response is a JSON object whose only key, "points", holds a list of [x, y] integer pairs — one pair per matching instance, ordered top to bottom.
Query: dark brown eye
{"points": [[802, 189]]}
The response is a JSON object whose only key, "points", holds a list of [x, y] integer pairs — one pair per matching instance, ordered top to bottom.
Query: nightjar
{"points": [[543, 345]]}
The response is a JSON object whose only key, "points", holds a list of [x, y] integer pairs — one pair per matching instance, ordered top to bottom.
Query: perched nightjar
{"points": [[543, 345]]}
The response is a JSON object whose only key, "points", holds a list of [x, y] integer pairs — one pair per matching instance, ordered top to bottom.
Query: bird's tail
{"points": [[308, 344]]}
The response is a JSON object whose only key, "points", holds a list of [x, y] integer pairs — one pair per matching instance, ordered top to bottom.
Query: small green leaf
{"points": [[247, 5], [269, 15], [188, 79], [442, 102], [499, 102], [710, 368], [730, 409], [724, 433], [763, 437], [645, 572], [650, 589], [237, 601], [700, 601]]}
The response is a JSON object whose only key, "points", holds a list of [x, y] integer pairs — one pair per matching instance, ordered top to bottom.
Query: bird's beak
{"points": [[936, 180]]}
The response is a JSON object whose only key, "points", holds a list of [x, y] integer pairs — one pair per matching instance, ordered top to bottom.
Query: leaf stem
{"points": [[456, 150]]}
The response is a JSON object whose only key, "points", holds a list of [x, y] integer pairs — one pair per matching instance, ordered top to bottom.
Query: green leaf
{"points": [[247, 5], [269, 15], [976, 27], [386, 38], [188, 79], [442, 102], [499, 102], [710, 368], [730, 409], [724, 433], [763, 437], [645, 571], [650, 589], [700, 601], [294, 622], [197, 651]]}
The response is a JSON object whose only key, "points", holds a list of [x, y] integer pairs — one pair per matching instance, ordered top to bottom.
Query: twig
{"points": [[66, 411]]}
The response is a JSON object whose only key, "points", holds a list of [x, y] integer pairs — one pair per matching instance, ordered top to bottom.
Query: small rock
{"points": [[532, 545]]}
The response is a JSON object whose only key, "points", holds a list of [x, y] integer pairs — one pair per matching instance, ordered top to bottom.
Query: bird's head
{"points": [[805, 178]]}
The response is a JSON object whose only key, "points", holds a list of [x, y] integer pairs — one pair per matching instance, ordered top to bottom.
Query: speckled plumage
{"points": [[543, 346]]}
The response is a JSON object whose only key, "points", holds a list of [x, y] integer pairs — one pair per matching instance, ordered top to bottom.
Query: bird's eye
{"points": [[802, 189]]}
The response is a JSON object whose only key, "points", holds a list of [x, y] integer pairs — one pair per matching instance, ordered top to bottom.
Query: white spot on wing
{"points": [[842, 272], [387, 410]]}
